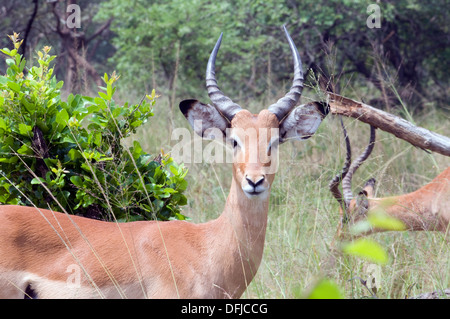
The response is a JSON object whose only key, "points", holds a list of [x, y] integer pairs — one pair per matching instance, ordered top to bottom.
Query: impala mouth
{"points": [[254, 193]]}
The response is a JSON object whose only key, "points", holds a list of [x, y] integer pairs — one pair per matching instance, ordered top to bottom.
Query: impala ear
{"points": [[205, 119], [303, 121], [369, 188], [362, 200]]}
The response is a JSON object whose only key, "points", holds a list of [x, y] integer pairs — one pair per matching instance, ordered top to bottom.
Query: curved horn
{"points": [[223, 103], [287, 103], [347, 180], [334, 183]]}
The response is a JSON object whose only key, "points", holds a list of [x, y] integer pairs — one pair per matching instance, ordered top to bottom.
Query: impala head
{"points": [[254, 137], [353, 208]]}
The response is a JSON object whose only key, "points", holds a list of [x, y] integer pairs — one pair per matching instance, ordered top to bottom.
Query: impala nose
{"points": [[254, 185]]}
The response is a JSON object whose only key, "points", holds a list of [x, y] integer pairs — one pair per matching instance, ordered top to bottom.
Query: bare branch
{"points": [[417, 136]]}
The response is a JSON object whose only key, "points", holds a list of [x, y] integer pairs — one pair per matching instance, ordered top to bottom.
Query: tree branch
{"points": [[28, 29], [99, 31], [390, 123]]}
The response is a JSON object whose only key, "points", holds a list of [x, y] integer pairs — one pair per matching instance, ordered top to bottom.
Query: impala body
{"points": [[427, 208], [46, 254]]}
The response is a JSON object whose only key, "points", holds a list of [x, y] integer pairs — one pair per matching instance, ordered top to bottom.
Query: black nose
{"points": [[253, 184]]}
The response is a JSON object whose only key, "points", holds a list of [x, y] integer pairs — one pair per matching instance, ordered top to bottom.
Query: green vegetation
{"points": [[174, 38], [165, 45], [69, 155]]}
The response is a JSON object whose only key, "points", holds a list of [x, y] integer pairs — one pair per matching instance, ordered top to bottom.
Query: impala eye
{"points": [[234, 142], [272, 145]]}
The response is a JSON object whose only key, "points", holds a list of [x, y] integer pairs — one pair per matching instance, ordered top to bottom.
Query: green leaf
{"points": [[6, 51], [18, 58], [10, 62], [22, 65], [59, 85], [14, 86], [109, 90], [104, 96], [75, 101], [101, 103], [29, 106], [118, 111], [62, 118], [99, 120], [136, 123], [2, 124], [24, 129], [97, 138], [68, 139], [24, 149], [136, 150], [74, 154], [103, 159], [10, 160], [173, 169], [37, 181], [77, 181], [182, 185], [182, 200], [379, 219], [360, 227], [366, 249], [325, 289]]}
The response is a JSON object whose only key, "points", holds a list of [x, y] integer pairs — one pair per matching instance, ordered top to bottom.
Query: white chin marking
{"points": [[256, 195]]}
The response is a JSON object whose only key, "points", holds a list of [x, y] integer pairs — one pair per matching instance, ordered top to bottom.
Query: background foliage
{"points": [[165, 45]]}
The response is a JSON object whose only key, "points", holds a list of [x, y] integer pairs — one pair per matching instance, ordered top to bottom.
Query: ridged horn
{"points": [[223, 103], [287, 103], [347, 180], [334, 183]]}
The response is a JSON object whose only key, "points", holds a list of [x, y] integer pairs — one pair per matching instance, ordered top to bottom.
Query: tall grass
{"points": [[303, 216]]}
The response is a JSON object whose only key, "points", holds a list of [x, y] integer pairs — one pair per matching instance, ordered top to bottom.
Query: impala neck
{"points": [[423, 209], [247, 219], [238, 240]]}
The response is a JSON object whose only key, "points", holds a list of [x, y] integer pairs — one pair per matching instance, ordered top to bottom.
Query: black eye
{"points": [[235, 144], [272, 145]]}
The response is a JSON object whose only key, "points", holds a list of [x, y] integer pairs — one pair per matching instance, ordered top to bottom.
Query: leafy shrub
{"points": [[69, 154]]}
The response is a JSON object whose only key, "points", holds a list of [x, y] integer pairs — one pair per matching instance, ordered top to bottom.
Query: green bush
{"points": [[70, 154]]}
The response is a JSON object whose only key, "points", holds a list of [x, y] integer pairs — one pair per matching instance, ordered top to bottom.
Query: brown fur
{"points": [[427, 208]]}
